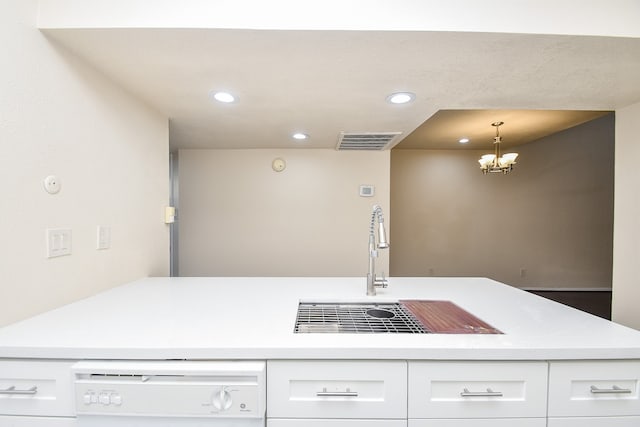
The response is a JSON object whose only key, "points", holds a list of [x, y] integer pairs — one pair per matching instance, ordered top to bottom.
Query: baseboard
{"points": [[546, 289]]}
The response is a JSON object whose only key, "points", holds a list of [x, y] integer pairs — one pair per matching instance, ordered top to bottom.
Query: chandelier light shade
{"points": [[495, 163]]}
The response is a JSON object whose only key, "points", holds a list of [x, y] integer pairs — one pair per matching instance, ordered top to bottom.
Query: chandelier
{"points": [[495, 162]]}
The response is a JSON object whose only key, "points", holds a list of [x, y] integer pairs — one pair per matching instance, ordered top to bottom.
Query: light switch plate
{"points": [[169, 215], [104, 237], [58, 242]]}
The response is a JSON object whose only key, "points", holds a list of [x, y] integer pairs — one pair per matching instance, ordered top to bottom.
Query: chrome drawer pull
{"points": [[614, 389], [12, 390], [347, 393], [489, 393]]}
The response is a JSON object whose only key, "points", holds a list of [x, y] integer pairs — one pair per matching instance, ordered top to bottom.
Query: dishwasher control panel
{"points": [[171, 389]]}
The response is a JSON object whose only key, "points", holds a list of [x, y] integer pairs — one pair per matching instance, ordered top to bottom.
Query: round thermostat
{"points": [[278, 164], [52, 184]]}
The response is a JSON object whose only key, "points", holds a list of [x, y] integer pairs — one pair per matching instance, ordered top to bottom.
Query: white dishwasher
{"points": [[169, 393]]}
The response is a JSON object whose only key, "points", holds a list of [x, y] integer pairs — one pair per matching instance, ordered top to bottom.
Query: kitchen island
{"points": [[253, 318], [551, 365]]}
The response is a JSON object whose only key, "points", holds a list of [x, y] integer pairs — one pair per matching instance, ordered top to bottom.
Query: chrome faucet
{"points": [[372, 280]]}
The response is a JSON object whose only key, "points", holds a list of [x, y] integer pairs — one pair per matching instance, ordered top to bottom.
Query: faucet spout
{"points": [[373, 280]]}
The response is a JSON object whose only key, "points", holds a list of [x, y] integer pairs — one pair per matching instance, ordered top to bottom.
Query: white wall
{"points": [[58, 116], [240, 218], [626, 235]]}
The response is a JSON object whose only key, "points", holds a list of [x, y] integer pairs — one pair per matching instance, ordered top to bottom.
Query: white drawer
{"points": [[36, 388], [594, 388], [337, 389], [477, 389], [15, 421], [483, 422], [595, 422], [336, 423]]}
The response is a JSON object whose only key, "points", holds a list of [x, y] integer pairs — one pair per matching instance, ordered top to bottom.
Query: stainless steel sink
{"points": [[356, 318]]}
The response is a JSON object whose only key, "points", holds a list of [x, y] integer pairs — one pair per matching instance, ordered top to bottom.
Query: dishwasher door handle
{"points": [[13, 390]]}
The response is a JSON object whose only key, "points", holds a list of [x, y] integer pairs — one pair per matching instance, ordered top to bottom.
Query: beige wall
{"points": [[58, 116], [238, 217], [548, 224], [626, 249]]}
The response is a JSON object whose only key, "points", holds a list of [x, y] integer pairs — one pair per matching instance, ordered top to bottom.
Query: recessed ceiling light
{"points": [[223, 97], [401, 97], [300, 136], [463, 140]]}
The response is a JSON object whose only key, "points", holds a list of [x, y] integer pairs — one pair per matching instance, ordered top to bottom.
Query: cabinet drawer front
{"points": [[36, 388], [597, 388], [337, 389], [477, 389], [14, 421], [487, 422], [595, 422], [335, 423]]}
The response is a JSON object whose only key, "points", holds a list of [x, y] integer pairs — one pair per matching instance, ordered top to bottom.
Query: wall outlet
{"points": [[58, 242]]}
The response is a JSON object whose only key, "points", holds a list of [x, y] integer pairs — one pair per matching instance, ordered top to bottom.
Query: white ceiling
{"points": [[325, 82]]}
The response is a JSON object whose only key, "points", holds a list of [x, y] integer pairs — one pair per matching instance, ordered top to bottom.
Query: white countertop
{"points": [[253, 318]]}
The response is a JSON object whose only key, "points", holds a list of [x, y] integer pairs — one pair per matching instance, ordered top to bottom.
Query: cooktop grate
{"points": [[356, 318]]}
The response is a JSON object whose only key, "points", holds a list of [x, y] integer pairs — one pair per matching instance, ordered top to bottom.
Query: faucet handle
{"points": [[380, 282]]}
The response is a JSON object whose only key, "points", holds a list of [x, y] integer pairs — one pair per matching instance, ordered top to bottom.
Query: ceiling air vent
{"points": [[366, 140]]}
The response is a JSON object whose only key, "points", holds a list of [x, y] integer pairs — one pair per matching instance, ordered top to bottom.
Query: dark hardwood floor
{"points": [[594, 302]]}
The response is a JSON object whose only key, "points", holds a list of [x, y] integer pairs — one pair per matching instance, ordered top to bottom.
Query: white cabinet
{"points": [[39, 388], [594, 388], [450, 390], [312, 392], [384, 393], [594, 393], [16, 421], [485, 422], [594, 422], [336, 423]]}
